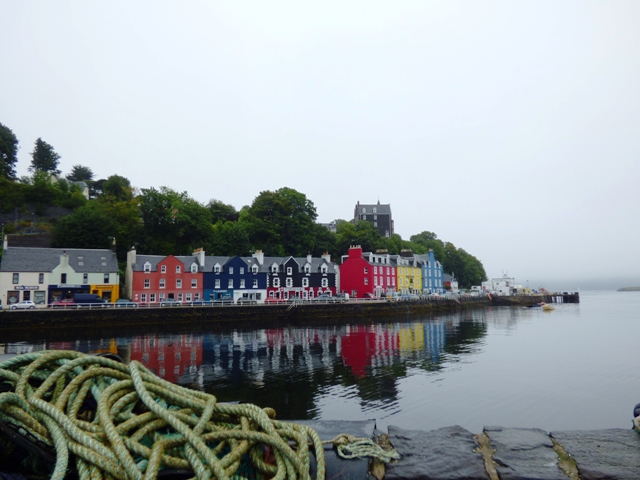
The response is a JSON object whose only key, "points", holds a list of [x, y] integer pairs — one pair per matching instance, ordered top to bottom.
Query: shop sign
{"points": [[68, 285], [25, 287], [102, 287]]}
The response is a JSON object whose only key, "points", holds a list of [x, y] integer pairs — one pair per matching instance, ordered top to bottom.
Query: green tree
{"points": [[8, 152], [44, 158], [80, 173], [117, 188], [222, 211], [281, 222], [173, 223], [87, 227], [362, 233], [230, 238], [429, 240]]}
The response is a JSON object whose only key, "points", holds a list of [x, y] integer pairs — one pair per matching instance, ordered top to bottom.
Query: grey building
{"points": [[378, 214]]}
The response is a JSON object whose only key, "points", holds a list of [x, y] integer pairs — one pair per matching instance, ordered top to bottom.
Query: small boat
{"points": [[547, 308]]}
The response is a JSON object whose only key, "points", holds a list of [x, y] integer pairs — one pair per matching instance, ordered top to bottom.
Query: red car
{"points": [[63, 303]]}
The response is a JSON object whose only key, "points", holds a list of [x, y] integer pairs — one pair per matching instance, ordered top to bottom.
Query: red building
{"points": [[364, 274], [154, 278], [168, 356]]}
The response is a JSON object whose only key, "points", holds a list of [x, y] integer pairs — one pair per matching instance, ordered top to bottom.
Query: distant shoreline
{"points": [[629, 289]]}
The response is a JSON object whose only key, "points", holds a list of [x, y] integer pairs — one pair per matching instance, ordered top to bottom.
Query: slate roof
{"points": [[381, 208], [84, 260], [187, 260]]}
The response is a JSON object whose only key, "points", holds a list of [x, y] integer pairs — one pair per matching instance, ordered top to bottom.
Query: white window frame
{"points": [[147, 267], [163, 269], [178, 269], [241, 270], [289, 271], [276, 282], [289, 282], [305, 282], [325, 282], [147, 283], [162, 283], [178, 283], [194, 283], [230, 283], [242, 283], [255, 283], [217, 284]]}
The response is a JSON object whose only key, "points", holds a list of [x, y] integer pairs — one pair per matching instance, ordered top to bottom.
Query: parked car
{"points": [[342, 297], [324, 298], [90, 300], [223, 301], [247, 301], [170, 302], [63, 303], [124, 303], [201, 303], [23, 305]]}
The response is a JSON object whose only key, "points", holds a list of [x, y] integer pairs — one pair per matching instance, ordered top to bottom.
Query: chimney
{"points": [[199, 254], [259, 256], [309, 257], [327, 257], [64, 259]]}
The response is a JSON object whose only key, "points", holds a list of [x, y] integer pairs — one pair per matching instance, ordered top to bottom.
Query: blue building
{"points": [[432, 273], [234, 278]]}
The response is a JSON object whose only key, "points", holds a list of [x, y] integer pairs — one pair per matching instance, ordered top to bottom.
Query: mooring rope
{"points": [[141, 424]]}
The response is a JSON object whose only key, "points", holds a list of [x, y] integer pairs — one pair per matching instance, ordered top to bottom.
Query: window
{"points": [[364, 210], [375, 210], [364, 217], [375, 217], [375, 224], [147, 267], [194, 268], [307, 268], [163, 269], [178, 269], [216, 269], [254, 269], [274, 269], [323, 269], [230, 270], [241, 270], [289, 270], [366, 270], [375, 270], [388, 271], [16, 278], [41, 278], [63, 278], [85, 278], [106, 278], [366, 280], [375, 281], [393, 281], [276, 282], [289, 282], [305, 282], [325, 282], [147, 283], [178, 283], [194, 283], [217, 283], [230, 283], [242, 283], [255, 283], [162, 284], [161, 296], [196, 296], [143, 297], [152, 297], [179, 297], [187, 297]]}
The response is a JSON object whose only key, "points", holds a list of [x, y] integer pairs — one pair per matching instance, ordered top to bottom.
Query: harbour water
{"points": [[572, 368]]}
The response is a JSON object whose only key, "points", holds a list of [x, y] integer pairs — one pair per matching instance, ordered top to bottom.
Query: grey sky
{"points": [[511, 129]]}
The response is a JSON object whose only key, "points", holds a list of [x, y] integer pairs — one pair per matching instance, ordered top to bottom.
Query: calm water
{"points": [[573, 368]]}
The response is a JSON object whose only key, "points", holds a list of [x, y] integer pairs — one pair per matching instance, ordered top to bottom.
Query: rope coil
{"points": [[142, 424]]}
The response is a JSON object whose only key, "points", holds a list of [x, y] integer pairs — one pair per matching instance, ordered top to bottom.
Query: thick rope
{"points": [[144, 424]]}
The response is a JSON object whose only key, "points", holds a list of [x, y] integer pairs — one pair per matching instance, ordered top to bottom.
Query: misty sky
{"points": [[511, 129]]}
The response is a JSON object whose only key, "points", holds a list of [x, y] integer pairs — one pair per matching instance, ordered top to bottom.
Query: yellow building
{"points": [[409, 273]]}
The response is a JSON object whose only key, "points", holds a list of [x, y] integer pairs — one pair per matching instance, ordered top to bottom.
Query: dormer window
{"points": [[147, 267], [194, 268], [254, 268], [274, 268], [307, 268], [216, 269], [323, 269]]}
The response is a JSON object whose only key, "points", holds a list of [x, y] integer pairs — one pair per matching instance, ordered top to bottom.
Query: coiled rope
{"points": [[141, 424]]}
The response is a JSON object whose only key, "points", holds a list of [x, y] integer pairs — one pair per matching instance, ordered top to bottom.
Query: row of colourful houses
{"points": [[44, 275]]}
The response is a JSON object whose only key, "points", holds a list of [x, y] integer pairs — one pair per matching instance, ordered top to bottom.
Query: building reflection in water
{"points": [[289, 369]]}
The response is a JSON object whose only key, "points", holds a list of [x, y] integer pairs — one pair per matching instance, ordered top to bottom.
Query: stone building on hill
{"points": [[377, 214]]}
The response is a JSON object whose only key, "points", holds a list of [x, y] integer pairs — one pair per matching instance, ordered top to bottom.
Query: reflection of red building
{"points": [[363, 344], [168, 356]]}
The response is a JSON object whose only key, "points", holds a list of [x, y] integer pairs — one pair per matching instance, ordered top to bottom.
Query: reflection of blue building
{"points": [[432, 273], [234, 278], [435, 339]]}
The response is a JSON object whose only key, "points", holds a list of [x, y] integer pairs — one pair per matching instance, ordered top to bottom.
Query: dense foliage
{"points": [[162, 221]]}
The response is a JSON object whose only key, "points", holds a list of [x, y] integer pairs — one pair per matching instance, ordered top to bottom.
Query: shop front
{"points": [[66, 291], [27, 292], [108, 292]]}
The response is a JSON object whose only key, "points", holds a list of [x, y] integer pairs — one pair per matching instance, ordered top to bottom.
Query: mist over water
{"points": [[572, 368]]}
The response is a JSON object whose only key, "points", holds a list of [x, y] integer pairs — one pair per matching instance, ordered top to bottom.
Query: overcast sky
{"points": [[511, 129]]}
